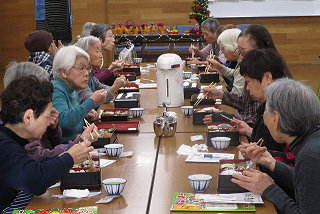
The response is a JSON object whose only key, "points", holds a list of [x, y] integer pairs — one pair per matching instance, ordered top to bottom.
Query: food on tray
{"points": [[206, 109], [115, 113], [224, 127], [105, 132], [87, 166], [230, 168]]}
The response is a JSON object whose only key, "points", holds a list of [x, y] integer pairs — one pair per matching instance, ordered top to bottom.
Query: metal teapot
{"points": [[165, 125]]}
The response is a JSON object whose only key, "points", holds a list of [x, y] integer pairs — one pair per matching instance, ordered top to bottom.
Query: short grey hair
{"points": [[210, 24], [87, 27], [99, 30], [228, 39], [85, 43], [66, 58], [23, 69], [297, 105]]}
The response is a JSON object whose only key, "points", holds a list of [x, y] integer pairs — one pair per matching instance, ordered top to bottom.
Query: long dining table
{"points": [[154, 172]]}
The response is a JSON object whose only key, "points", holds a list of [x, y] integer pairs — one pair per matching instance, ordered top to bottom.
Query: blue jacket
{"points": [[66, 101], [21, 173]]}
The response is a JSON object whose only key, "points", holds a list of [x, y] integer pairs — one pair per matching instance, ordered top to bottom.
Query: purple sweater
{"points": [[104, 76], [49, 145]]}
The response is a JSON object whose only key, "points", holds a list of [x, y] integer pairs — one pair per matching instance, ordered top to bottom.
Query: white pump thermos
{"points": [[170, 80]]}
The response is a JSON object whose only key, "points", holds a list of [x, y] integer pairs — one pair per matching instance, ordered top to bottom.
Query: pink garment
{"points": [[206, 52], [104, 76]]}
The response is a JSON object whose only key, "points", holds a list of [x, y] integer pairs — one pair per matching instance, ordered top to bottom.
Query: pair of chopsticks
{"points": [[192, 45], [211, 56], [105, 92], [203, 96], [229, 118], [88, 124], [259, 143], [89, 156]]}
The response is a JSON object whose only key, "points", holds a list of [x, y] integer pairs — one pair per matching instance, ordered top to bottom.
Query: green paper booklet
{"points": [[188, 202], [79, 210]]}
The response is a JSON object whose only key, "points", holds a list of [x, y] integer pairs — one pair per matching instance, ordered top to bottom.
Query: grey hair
{"points": [[210, 24], [87, 27], [99, 30], [228, 39], [87, 42], [66, 58], [23, 69], [297, 105]]}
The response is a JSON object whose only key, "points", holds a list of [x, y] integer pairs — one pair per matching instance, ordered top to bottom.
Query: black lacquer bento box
{"points": [[132, 68], [131, 76], [210, 76], [128, 88], [192, 88], [127, 100], [204, 101], [200, 111], [118, 114], [223, 129], [107, 135], [226, 168], [83, 176]]}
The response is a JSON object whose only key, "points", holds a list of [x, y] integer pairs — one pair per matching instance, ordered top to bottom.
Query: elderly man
{"points": [[42, 49]]}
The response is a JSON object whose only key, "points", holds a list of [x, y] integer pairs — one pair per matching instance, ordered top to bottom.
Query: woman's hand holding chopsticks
{"points": [[214, 64], [89, 131]]}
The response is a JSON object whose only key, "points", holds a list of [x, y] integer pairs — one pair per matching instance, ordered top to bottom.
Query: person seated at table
{"points": [[208, 28], [86, 29], [220, 29], [104, 33], [252, 37], [228, 45], [92, 46], [42, 49], [260, 68], [71, 72], [26, 109], [292, 115], [49, 144]]}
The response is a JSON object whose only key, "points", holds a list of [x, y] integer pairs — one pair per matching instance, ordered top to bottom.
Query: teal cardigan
{"points": [[66, 101]]}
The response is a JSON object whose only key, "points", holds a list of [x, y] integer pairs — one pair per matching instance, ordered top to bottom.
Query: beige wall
{"points": [[297, 38]]}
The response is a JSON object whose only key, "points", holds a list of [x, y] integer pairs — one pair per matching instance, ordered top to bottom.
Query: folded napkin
{"points": [[186, 150], [105, 162], [76, 193]]}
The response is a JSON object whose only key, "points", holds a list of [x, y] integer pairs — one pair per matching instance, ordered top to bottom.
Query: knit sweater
{"points": [[104, 76], [239, 81], [93, 85], [66, 101], [21, 173], [303, 178]]}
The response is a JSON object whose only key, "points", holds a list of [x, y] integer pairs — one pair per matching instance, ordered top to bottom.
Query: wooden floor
{"points": [[310, 73]]}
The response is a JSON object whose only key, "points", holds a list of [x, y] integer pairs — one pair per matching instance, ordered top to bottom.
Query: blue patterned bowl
{"points": [[187, 75], [187, 110], [136, 112], [220, 143], [114, 149], [200, 182], [114, 186]]}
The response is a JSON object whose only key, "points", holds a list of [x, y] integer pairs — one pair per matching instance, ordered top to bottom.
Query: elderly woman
{"points": [[208, 28], [104, 33], [251, 38], [228, 41], [92, 46], [71, 71], [26, 109], [292, 116], [49, 144]]}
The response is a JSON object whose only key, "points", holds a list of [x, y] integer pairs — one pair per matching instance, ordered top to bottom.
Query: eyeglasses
{"points": [[110, 35], [239, 51], [83, 68]]}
